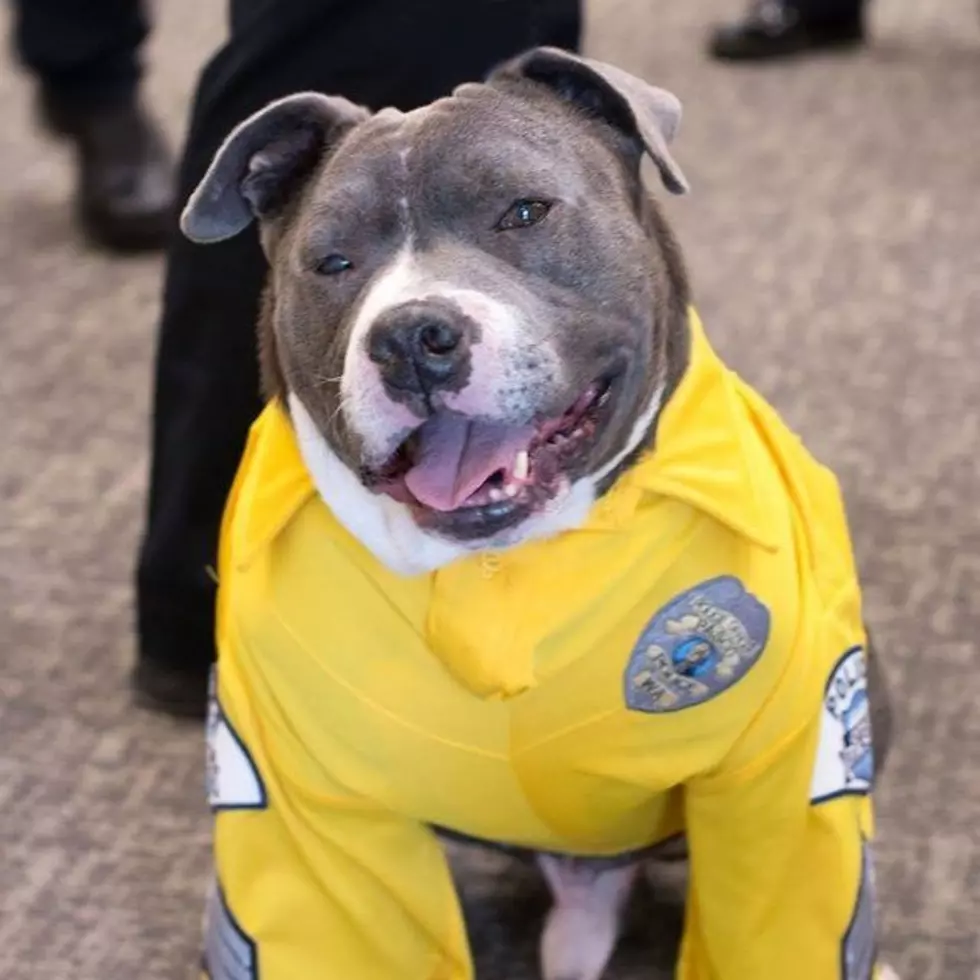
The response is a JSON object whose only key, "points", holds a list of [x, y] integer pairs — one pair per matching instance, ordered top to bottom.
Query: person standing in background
{"points": [[780, 28], [376, 53], [85, 55]]}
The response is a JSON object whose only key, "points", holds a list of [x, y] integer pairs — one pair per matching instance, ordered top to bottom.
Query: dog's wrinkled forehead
{"points": [[538, 118], [453, 166]]}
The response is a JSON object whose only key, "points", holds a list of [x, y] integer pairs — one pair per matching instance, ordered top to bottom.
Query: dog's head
{"points": [[472, 307]]}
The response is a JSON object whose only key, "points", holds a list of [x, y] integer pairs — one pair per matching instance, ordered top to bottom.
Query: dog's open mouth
{"points": [[453, 464]]}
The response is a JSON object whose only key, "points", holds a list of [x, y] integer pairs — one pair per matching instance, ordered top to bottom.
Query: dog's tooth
{"points": [[522, 465], [511, 490], [496, 495]]}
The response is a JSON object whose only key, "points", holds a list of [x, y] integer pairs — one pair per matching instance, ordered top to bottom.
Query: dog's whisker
{"points": [[334, 416]]}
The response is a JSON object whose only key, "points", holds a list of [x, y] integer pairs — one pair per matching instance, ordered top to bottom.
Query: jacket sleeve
{"points": [[782, 881], [314, 883]]}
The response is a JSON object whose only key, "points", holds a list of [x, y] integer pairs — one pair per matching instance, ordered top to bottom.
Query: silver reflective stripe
{"points": [[860, 948], [229, 953]]}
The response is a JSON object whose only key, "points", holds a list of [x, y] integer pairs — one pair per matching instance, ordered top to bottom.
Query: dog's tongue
{"points": [[456, 455]]}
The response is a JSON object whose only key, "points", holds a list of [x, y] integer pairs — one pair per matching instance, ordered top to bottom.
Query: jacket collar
{"points": [[705, 443], [704, 446], [273, 483]]}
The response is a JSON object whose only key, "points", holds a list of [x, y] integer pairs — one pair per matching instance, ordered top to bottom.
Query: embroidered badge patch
{"points": [[697, 646], [845, 756], [233, 781], [859, 949], [229, 952]]}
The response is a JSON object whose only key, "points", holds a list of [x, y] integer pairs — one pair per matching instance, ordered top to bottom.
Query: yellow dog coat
{"points": [[690, 659]]}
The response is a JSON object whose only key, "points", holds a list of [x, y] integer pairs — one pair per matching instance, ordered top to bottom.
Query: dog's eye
{"points": [[523, 214], [333, 264]]}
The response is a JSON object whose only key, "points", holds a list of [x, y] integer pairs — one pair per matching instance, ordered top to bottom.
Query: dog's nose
{"points": [[420, 348]]}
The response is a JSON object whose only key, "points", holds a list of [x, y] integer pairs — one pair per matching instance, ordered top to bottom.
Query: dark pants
{"points": [[375, 52], [85, 53]]}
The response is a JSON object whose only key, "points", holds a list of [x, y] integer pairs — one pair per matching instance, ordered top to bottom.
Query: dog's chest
{"points": [[487, 698]]}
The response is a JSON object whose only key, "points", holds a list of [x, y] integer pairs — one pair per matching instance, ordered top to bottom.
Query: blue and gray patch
{"points": [[697, 646], [859, 949], [229, 952]]}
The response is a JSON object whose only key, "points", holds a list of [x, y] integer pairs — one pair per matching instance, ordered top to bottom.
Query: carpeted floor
{"points": [[834, 238]]}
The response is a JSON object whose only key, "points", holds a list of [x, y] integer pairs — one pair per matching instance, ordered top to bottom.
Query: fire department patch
{"points": [[697, 646], [845, 757], [233, 780]]}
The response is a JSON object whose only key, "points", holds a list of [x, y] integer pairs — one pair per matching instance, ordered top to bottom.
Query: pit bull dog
{"points": [[512, 555]]}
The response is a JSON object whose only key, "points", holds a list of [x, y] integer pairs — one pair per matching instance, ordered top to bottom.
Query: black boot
{"points": [[777, 29], [125, 192], [175, 691]]}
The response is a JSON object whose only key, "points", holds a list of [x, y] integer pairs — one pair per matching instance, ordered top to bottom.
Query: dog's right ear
{"points": [[648, 115], [264, 161]]}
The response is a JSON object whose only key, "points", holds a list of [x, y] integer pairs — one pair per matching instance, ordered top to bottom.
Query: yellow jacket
{"points": [[690, 659]]}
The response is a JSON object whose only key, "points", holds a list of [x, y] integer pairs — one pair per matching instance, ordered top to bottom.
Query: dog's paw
{"points": [[581, 930], [577, 943], [885, 972]]}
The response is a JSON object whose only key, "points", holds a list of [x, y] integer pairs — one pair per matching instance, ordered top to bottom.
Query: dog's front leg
{"points": [[583, 925]]}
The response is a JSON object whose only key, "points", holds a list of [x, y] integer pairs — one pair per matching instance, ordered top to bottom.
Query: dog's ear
{"points": [[647, 114], [264, 161]]}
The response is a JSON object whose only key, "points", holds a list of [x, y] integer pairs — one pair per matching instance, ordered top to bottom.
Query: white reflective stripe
{"points": [[844, 762], [233, 780], [859, 948], [229, 953]]}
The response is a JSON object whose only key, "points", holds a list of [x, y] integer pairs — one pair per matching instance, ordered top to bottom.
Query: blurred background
{"points": [[833, 236]]}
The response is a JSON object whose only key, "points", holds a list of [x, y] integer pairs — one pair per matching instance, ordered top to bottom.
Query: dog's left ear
{"points": [[642, 111]]}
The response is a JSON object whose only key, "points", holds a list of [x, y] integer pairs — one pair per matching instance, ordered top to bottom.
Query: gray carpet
{"points": [[834, 238]]}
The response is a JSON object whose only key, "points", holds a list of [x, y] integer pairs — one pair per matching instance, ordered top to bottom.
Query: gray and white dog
{"points": [[495, 254], [431, 285]]}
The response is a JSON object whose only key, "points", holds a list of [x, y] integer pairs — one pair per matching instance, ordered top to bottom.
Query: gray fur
{"points": [[652, 113], [276, 146]]}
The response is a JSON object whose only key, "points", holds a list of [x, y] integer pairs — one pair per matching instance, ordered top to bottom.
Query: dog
{"points": [[513, 556]]}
